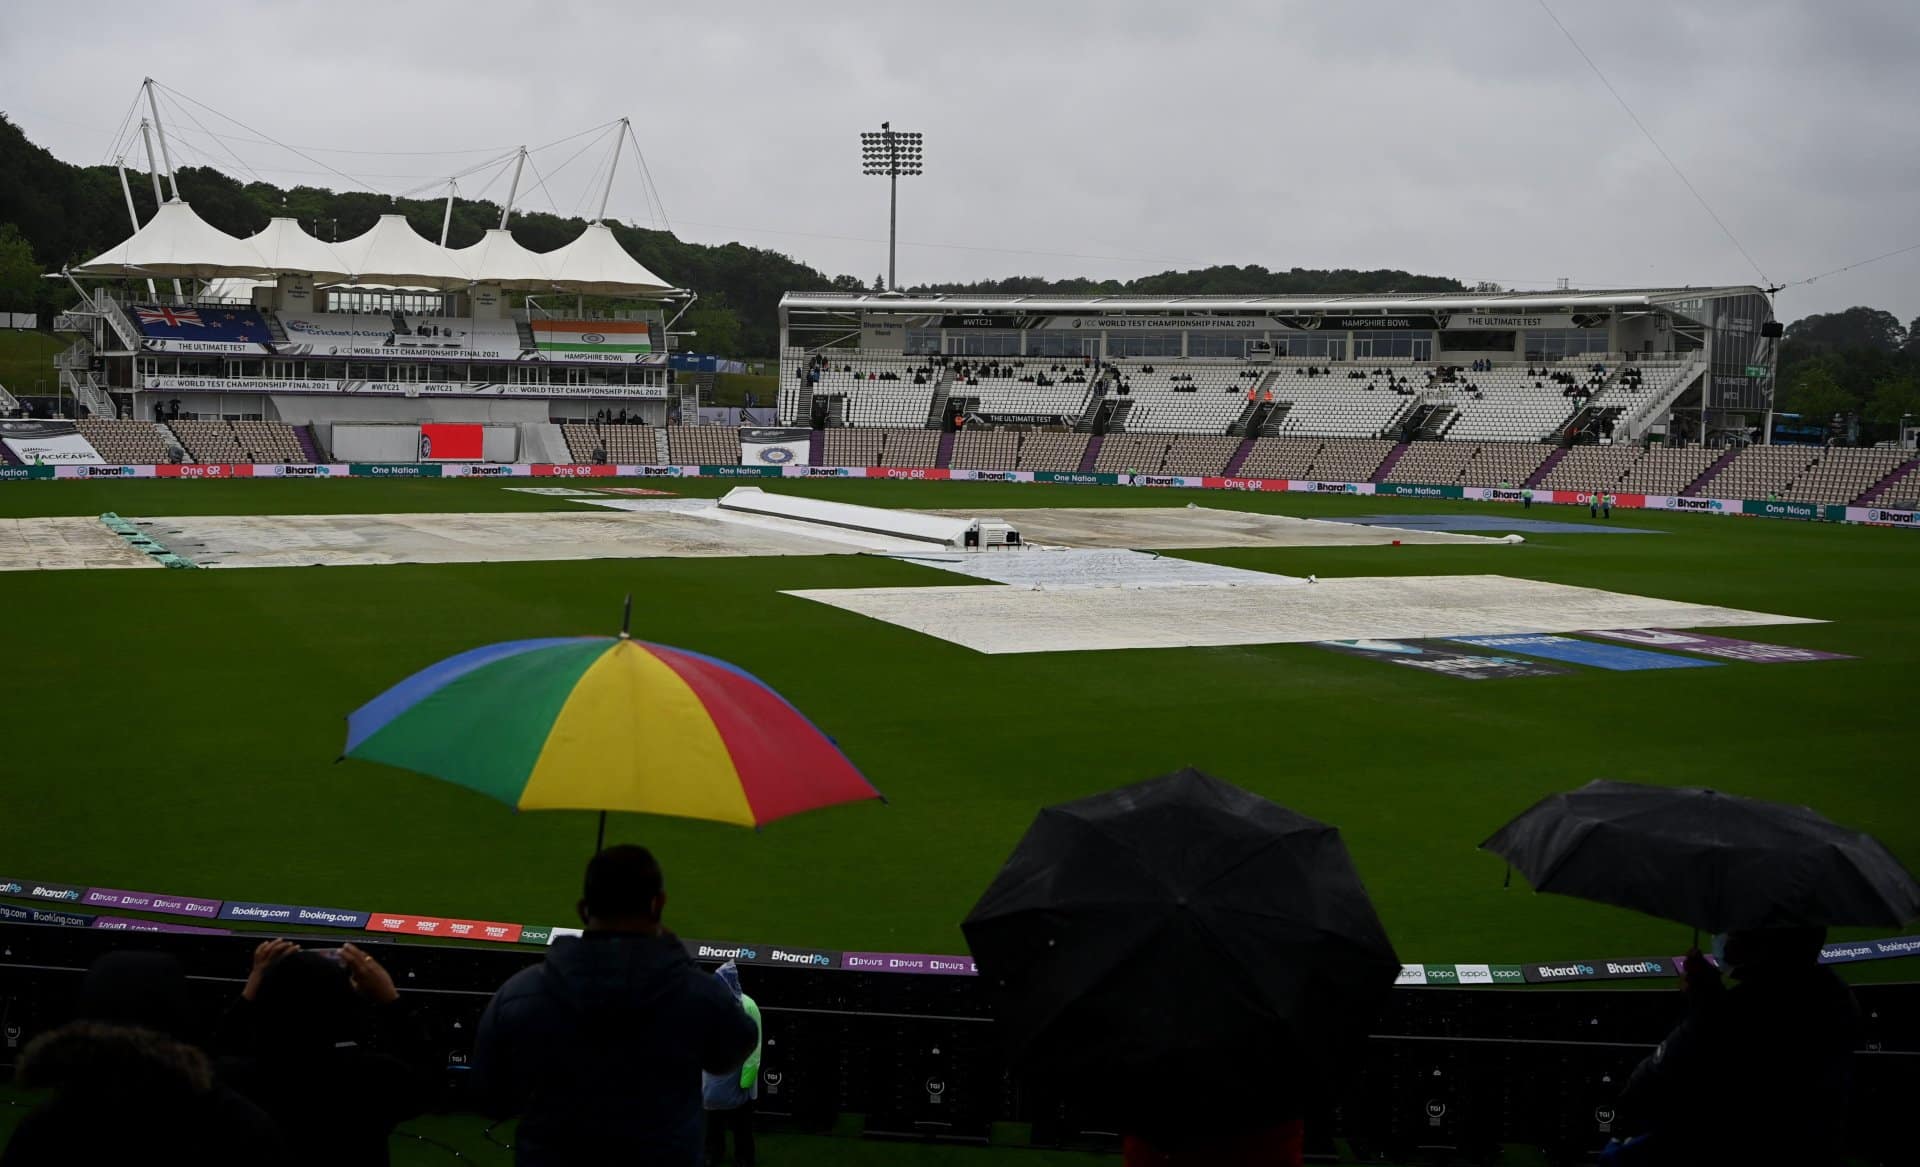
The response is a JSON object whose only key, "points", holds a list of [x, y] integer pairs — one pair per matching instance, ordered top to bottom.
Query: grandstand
{"points": [[285, 329], [1503, 367], [1333, 459]]}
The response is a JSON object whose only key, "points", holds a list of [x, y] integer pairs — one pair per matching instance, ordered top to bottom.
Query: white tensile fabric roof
{"points": [[177, 243], [288, 249], [392, 252], [500, 259], [596, 265]]}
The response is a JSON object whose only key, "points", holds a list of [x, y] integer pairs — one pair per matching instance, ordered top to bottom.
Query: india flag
{"points": [[592, 336]]}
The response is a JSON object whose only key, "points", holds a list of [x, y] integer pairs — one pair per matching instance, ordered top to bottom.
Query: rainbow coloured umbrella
{"points": [[607, 723]]}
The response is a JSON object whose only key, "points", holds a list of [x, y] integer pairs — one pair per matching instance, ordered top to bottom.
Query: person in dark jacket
{"points": [[323, 1032], [600, 1048], [1756, 1073], [122, 1094]]}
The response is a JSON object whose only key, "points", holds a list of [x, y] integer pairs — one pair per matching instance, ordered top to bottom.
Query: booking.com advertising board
{"points": [[1764, 508]]}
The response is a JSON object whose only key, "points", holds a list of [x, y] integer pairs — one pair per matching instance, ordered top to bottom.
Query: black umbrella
{"points": [[1716, 861], [1166, 944]]}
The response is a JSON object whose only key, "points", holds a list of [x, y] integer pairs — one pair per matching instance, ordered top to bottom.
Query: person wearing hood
{"points": [[601, 1046], [729, 1096]]}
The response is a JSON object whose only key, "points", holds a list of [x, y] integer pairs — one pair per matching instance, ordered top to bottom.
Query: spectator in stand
{"points": [[324, 1032], [601, 1046], [127, 1056], [1759, 1073], [119, 1094], [729, 1096]]}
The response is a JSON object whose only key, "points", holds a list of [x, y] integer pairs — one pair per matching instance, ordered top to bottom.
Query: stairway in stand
{"points": [[309, 447], [817, 448], [1240, 454], [1092, 455], [944, 458], [1392, 459], [1546, 468], [1706, 475], [1882, 488]]}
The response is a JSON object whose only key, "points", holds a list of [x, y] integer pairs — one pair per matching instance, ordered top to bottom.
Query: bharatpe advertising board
{"points": [[48, 443], [774, 447], [1316, 487], [1750, 651], [1586, 652], [1446, 660], [1600, 970]]}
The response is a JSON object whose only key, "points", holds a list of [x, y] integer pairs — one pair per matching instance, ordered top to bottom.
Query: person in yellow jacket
{"points": [[729, 1097]]}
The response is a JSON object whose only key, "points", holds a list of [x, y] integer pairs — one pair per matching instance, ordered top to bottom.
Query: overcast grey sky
{"points": [[1106, 139]]}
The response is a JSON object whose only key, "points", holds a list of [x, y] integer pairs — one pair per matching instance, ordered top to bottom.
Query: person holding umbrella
{"points": [[1176, 954], [600, 1047], [1758, 1073]]}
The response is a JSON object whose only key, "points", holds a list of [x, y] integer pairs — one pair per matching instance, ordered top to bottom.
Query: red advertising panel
{"points": [[440, 442], [203, 470], [545, 470], [926, 473], [438, 926]]}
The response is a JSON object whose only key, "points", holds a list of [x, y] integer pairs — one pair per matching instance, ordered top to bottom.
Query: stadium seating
{"points": [[398, 336], [1028, 386], [1631, 388], [878, 390], [1181, 396], [1337, 404], [1507, 404], [208, 441], [269, 441], [125, 442], [631, 444], [703, 445], [881, 447], [987, 449], [1052, 451], [1125, 453], [1165, 453], [1199, 454], [1329, 459], [1470, 463], [1628, 469], [1802, 473], [1843, 475]]}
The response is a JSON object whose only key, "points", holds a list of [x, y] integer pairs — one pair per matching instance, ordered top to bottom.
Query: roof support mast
{"points": [[165, 156], [153, 168], [613, 168], [506, 210], [133, 216], [446, 220]]}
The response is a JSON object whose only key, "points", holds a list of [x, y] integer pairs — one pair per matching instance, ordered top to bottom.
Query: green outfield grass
{"points": [[176, 731]]}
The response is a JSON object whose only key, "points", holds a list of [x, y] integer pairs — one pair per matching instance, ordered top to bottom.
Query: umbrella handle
{"points": [[626, 618], [600, 837]]}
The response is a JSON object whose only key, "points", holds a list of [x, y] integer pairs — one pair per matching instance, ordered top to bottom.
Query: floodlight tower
{"points": [[891, 153]]}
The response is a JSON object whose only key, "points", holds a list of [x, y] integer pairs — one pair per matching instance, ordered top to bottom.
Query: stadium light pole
{"points": [[891, 153]]}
